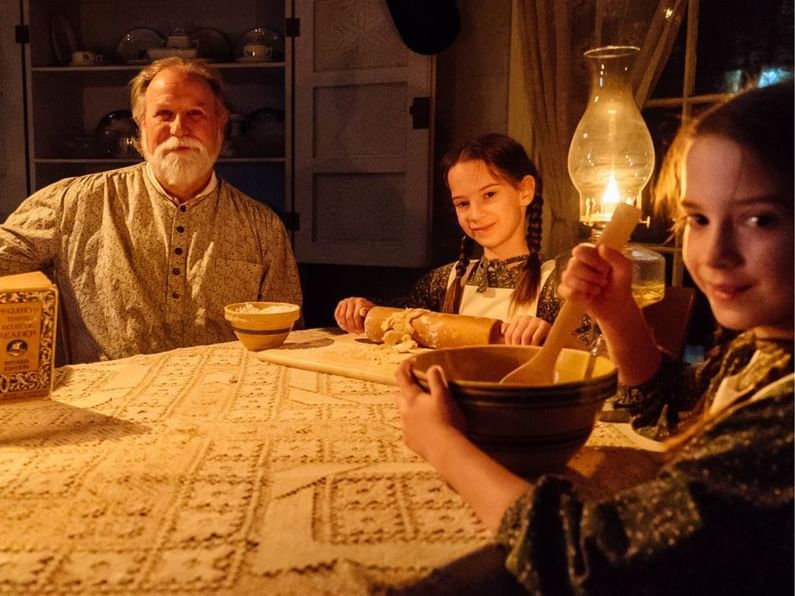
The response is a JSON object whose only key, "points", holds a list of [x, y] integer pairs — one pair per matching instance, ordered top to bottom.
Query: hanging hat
{"points": [[426, 26]]}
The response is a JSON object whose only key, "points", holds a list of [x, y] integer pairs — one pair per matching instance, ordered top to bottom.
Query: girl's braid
{"points": [[534, 224], [528, 286], [452, 297]]}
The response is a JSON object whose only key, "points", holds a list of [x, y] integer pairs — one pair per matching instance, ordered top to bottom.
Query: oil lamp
{"points": [[611, 158]]}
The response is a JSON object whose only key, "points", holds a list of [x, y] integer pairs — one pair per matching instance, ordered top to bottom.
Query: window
{"points": [[722, 47]]}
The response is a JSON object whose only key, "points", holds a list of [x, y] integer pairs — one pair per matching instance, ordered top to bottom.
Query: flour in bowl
{"points": [[250, 308]]}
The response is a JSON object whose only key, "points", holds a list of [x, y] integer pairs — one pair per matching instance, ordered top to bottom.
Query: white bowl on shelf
{"points": [[158, 53]]}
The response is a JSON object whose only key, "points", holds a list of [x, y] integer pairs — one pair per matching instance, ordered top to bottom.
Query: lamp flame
{"points": [[611, 196]]}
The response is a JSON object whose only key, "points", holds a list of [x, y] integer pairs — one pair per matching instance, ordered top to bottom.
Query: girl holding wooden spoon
{"points": [[717, 519]]}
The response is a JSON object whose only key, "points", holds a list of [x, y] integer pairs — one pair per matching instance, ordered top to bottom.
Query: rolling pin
{"points": [[436, 330]]}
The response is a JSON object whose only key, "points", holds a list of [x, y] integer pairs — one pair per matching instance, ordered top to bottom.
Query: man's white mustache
{"points": [[174, 143]]}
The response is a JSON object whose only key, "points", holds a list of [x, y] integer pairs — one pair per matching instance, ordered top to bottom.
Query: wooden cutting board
{"points": [[346, 354]]}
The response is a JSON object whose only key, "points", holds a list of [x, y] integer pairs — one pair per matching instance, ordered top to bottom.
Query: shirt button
{"points": [[183, 208], [180, 229], [178, 251], [175, 271], [174, 295]]}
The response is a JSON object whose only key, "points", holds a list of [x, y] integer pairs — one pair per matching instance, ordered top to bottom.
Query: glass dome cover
{"points": [[611, 156]]}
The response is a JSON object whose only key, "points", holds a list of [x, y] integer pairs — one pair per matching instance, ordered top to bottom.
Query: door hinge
{"points": [[292, 27], [22, 34], [420, 111], [291, 221]]}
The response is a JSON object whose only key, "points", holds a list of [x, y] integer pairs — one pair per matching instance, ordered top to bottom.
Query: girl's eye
{"points": [[490, 193], [460, 204], [695, 220], [762, 220]]}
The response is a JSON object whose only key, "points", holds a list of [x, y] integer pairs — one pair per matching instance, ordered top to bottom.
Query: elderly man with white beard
{"points": [[145, 257]]}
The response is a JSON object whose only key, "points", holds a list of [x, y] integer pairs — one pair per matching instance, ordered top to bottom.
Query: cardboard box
{"points": [[28, 318]]}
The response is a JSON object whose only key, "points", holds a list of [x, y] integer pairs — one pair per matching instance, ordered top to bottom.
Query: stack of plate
{"points": [[260, 36], [212, 45], [134, 47], [158, 53]]}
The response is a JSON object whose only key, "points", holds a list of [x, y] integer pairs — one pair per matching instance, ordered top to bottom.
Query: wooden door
{"points": [[363, 104], [13, 178]]}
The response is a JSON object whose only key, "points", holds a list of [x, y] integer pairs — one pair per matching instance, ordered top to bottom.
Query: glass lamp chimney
{"points": [[611, 156]]}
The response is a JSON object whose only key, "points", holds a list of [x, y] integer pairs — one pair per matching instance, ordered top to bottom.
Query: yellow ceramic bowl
{"points": [[262, 325], [530, 430]]}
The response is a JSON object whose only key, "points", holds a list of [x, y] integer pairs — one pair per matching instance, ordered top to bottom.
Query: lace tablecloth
{"points": [[205, 470]]}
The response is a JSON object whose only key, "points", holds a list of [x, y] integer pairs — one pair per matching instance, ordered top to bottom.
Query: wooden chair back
{"points": [[670, 318]]}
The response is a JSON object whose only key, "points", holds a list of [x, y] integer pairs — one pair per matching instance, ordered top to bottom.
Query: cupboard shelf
{"points": [[134, 68], [66, 104], [120, 162]]}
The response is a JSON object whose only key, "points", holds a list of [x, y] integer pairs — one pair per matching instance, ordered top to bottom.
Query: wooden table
{"points": [[207, 470]]}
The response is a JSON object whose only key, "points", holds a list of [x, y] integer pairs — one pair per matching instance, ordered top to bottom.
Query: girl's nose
{"points": [[474, 211], [722, 250]]}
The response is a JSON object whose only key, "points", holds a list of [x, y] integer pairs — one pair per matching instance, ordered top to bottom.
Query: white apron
{"points": [[496, 302]]}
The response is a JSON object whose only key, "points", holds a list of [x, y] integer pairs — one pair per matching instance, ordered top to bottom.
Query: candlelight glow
{"points": [[611, 196]]}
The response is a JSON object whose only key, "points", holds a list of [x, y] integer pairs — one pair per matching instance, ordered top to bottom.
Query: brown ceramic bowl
{"points": [[262, 325], [530, 430]]}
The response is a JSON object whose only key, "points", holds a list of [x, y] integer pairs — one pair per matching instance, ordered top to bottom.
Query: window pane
{"points": [[738, 39], [670, 83], [696, 110], [663, 124]]}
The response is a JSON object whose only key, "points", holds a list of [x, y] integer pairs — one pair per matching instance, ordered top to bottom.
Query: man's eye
{"points": [[490, 193]]}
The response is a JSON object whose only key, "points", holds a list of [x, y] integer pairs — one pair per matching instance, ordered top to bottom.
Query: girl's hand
{"points": [[601, 278], [350, 314], [523, 330], [428, 418], [433, 428]]}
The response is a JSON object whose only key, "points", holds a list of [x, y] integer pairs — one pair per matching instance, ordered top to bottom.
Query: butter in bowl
{"points": [[262, 325]]}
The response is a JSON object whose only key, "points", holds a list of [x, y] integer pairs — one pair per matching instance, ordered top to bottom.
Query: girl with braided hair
{"points": [[496, 194], [717, 516]]}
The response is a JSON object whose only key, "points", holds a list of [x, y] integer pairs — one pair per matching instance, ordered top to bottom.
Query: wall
{"points": [[472, 74], [471, 98]]}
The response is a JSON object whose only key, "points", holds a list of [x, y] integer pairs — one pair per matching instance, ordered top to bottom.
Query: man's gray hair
{"points": [[190, 66]]}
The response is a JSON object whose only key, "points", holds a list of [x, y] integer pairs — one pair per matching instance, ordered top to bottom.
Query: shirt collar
{"points": [[209, 187], [496, 273]]}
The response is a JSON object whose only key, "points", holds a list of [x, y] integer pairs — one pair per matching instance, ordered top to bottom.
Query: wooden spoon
{"points": [[540, 369]]}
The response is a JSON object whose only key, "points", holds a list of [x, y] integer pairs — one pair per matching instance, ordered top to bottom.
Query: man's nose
{"points": [[178, 126]]}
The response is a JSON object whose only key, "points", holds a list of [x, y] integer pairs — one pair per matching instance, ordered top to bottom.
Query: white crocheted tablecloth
{"points": [[205, 470]]}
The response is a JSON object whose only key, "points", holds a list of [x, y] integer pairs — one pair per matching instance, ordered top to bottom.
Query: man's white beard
{"points": [[177, 169]]}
